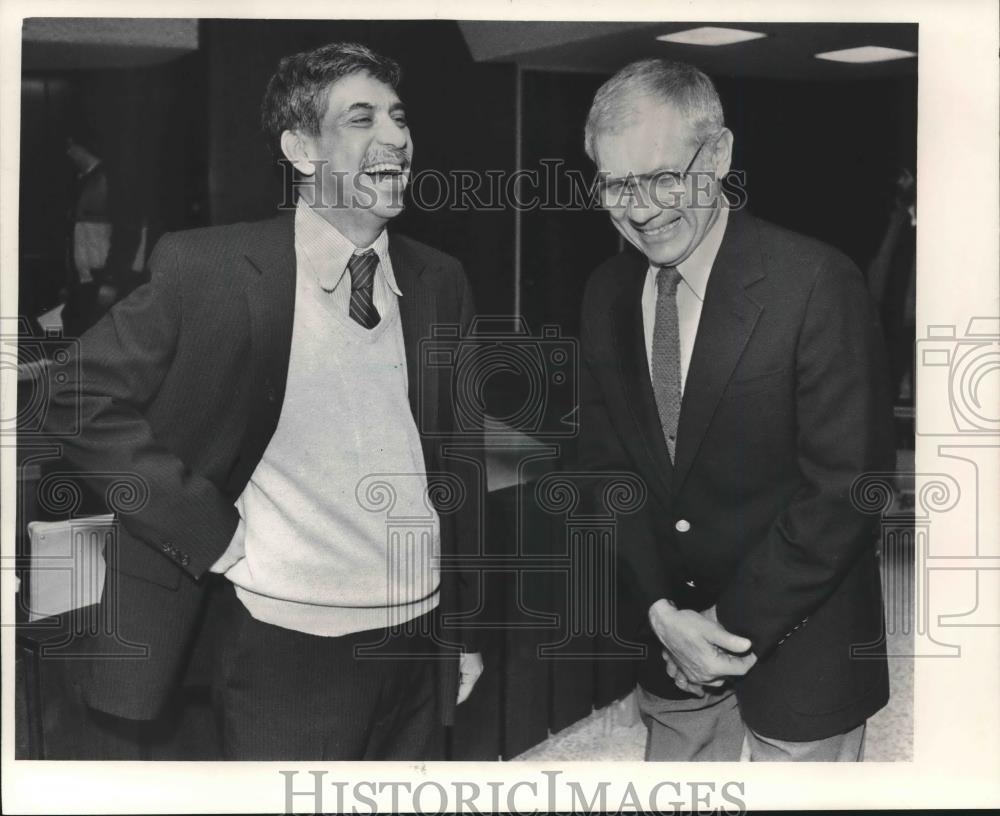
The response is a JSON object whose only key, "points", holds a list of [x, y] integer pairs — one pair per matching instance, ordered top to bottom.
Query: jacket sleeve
{"points": [[96, 417], [843, 429], [470, 521]]}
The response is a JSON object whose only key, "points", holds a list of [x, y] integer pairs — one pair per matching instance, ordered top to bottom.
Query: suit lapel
{"points": [[270, 294], [270, 300], [418, 313], [728, 318], [646, 442]]}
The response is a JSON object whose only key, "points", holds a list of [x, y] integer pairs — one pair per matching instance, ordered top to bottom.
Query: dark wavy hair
{"points": [[296, 95]]}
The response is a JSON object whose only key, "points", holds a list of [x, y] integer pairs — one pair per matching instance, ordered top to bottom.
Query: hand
{"points": [[698, 647], [470, 666], [678, 676], [681, 681]]}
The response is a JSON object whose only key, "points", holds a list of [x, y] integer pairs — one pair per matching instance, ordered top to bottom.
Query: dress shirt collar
{"points": [[327, 250], [696, 268]]}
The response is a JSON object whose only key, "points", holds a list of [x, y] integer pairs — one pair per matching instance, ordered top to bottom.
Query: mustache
{"points": [[394, 156]]}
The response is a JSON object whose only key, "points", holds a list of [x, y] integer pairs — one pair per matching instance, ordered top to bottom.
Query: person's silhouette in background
{"points": [[107, 244], [892, 281]]}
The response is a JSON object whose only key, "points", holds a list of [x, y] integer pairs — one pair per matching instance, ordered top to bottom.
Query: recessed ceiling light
{"points": [[711, 35], [865, 53]]}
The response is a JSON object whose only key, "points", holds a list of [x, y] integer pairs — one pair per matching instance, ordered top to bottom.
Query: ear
{"points": [[297, 149], [723, 153]]}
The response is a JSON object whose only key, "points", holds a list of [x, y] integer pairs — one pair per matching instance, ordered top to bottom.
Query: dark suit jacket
{"points": [[181, 385], [784, 406]]}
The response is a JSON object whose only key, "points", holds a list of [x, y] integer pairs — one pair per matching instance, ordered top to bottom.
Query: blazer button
{"points": [[682, 525], [166, 546], [185, 559], [690, 583]]}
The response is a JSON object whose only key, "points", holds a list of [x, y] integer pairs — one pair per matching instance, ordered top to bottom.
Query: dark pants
{"points": [[285, 695]]}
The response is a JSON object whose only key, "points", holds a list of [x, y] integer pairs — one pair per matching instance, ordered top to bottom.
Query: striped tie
{"points": [[362, 268], [667, 355]]}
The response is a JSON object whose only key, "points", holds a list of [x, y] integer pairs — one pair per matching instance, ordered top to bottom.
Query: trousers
{"points": [[279, 694], [710, 729]]}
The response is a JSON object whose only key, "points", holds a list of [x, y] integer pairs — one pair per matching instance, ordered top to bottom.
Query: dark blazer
{"points": [[181, 384], [785, 405]]}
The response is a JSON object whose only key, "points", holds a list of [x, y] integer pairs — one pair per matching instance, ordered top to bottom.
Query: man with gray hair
{"points": [[737, 368]]}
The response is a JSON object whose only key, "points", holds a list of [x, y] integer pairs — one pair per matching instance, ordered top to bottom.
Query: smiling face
{"points": [[361, 157], [665, 227]]}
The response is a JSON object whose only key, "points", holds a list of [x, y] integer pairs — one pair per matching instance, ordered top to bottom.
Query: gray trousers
{"points": [[710, 729]]}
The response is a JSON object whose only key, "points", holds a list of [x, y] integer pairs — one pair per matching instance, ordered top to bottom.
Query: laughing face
{"points": [[361, 159], [663, 215]]}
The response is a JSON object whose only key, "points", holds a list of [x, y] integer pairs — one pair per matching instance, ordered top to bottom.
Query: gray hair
{"points": [[681, 84]]}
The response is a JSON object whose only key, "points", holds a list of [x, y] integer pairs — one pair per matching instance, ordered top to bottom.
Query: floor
{"points": [[615, 733]]}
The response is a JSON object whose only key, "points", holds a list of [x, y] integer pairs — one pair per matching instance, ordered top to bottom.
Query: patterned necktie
{"points": [[362, 268], [667, 355]]}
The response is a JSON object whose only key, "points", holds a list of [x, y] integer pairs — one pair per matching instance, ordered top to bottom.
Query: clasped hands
{"points": [[699, 654]]}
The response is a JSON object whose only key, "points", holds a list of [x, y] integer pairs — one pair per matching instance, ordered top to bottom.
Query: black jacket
{"points": [[785, 405]]}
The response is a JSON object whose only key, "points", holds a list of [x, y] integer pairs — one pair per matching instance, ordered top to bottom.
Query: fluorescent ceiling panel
{"points": [[711, 35], [866, 53]]}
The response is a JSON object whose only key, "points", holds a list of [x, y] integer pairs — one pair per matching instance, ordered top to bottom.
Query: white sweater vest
{"points": [[340, 535]]}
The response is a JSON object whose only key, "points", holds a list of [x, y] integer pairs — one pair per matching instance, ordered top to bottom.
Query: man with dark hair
{"points": [[737, 367], [262, 386]]}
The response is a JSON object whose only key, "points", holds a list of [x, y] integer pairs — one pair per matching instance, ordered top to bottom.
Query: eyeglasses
{"points": [[662, 187]]}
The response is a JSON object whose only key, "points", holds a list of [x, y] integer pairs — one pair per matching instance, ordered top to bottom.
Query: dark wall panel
{"points": [[821, 157], [561, 245]]}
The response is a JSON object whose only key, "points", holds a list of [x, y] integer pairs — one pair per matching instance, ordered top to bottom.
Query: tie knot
{"points": [[362, 268], [667, 279]]}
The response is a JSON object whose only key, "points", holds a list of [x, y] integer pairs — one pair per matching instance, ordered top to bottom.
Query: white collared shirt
{"points": [[323, 250], [694, 272]]}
